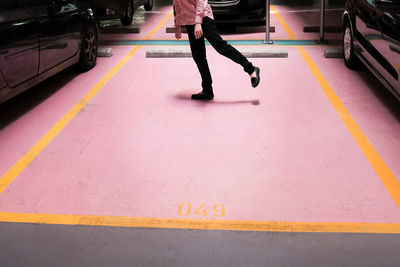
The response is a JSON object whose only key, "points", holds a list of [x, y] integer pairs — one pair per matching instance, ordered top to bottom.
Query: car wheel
{"points": [[149, 5], [127, 15], [88, 55], [350, 59]]}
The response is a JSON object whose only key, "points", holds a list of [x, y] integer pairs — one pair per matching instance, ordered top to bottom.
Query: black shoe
{"points": [[256, 80], [203, 96]]}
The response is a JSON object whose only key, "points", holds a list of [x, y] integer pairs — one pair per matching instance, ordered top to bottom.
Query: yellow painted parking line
{"points": [[283, 23], [148, 37], [22, 163], [385, 174], [387, 177], [173, 223]]}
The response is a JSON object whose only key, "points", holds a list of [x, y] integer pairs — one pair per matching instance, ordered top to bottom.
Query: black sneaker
{"points": [[256, 80], [203, 96]]}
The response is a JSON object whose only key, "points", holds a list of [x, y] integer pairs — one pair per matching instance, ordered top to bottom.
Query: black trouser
{"points": [[198, 49]]}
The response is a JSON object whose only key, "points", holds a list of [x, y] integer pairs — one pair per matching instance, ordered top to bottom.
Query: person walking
{"points": [[197, 17]]}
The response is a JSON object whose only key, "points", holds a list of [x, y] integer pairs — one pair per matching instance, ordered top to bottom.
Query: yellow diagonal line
{"points": [[283, 23], [148, 37], [22, 163], [385, 174], [388, 179]]}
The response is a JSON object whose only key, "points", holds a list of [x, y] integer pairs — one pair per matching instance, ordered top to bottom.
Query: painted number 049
{"points": [[186, 209]]}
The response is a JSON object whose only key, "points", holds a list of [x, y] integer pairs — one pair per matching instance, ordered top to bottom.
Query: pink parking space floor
{"points": [[294, 16], [299, 17], [146, 21], [246, 35], [368, 102], [19, 136], [141, 148]]}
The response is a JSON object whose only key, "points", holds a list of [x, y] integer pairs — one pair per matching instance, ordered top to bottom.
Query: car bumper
{"points": [[104, 9], [238, 10]]}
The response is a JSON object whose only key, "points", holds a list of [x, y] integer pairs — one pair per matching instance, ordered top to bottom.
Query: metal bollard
{"points": [[267, 23], [322, 26]]}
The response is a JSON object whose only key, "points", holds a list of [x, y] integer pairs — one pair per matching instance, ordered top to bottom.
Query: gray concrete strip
{"points": [[327, 28], [120, 29], [240, 29], [254, 29], [172, 30], [104, 52], [168, 52], [254, 52], [264, 52], [333, 52], [65, 245]]}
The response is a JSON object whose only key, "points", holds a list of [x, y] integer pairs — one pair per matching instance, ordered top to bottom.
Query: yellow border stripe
{"points": [[283, 23], [148, 37], [21, 164], [380, 167], [382, 170], [172, 223]]}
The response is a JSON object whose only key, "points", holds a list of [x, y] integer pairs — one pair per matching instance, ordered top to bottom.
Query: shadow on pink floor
{"points": [[186, 95]]}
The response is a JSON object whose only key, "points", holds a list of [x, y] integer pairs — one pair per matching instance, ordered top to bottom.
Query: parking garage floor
{"points": [[119, 167]]}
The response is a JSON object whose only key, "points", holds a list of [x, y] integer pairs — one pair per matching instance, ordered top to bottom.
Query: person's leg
{"points": [[211, 33], [198, 48]]}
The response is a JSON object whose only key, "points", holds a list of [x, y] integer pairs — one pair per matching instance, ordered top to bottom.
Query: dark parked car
{"points": [[117, 9], [238, 11], [372, 36], [39, 38]]}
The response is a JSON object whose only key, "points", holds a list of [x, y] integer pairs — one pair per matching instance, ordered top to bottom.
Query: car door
{"points": [[389, 21], [367, 29], [59, 30], [370, 38], [19, 46]]}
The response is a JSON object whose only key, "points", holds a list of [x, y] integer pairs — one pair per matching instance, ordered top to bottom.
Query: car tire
{"points": [[149, 5], [127, 15], [88, 56], [350, 58]]}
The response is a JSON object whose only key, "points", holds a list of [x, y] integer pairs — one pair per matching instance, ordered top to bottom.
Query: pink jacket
{"points": [[190, 12]]}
